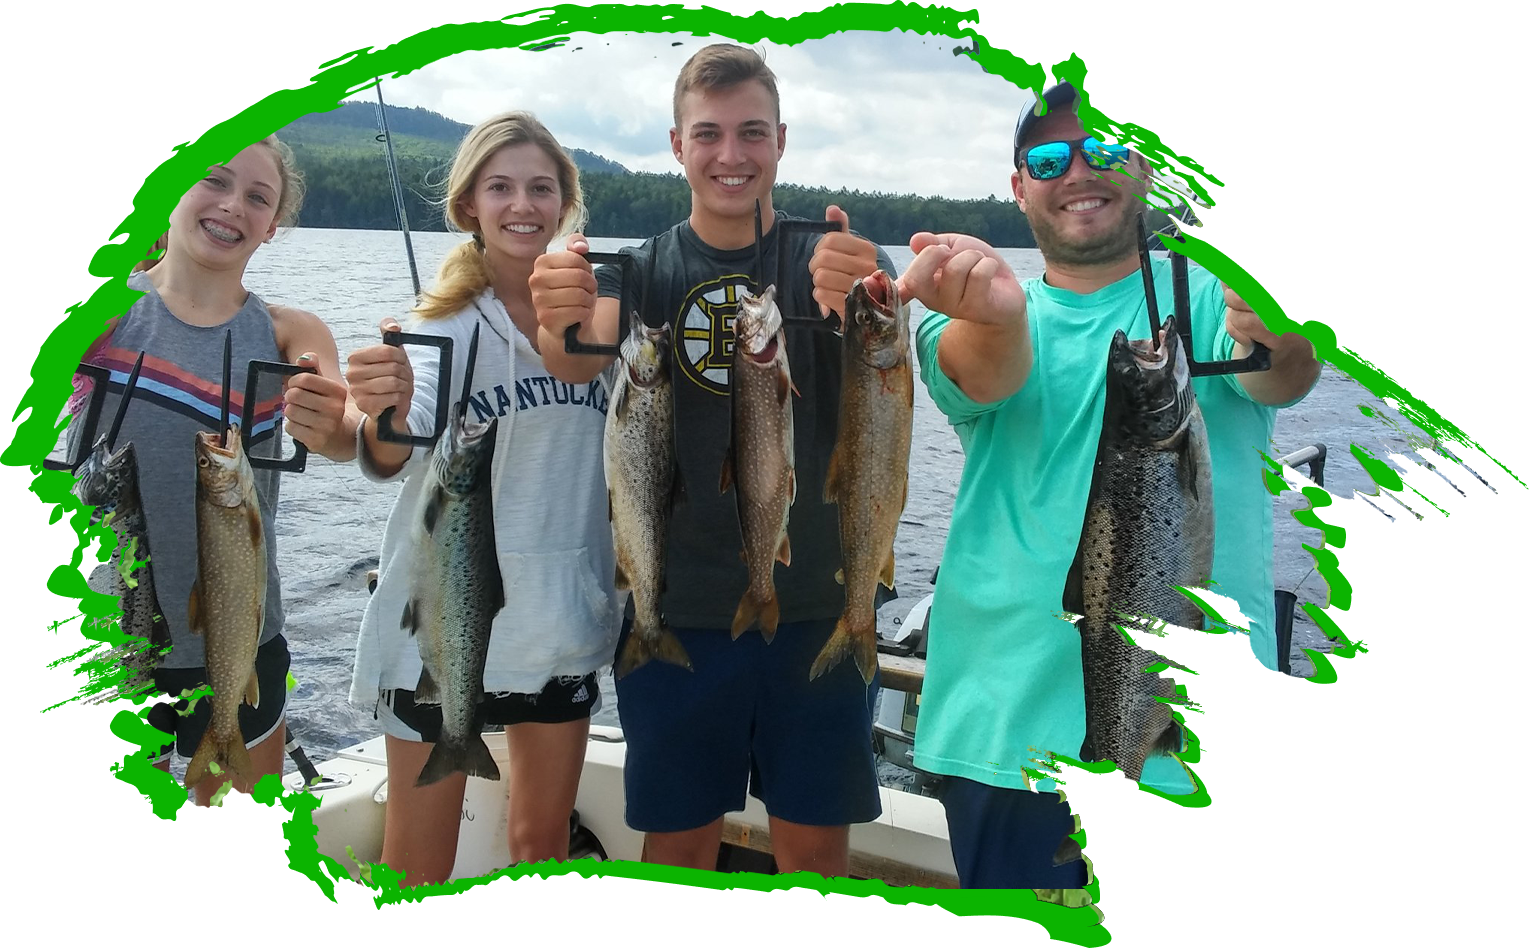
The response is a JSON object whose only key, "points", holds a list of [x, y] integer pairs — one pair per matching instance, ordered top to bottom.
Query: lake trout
{"points": [[761, 459], [868, 473], [108, 481], [643, 481], [1150, 526], [457, 590], [227, 607]]}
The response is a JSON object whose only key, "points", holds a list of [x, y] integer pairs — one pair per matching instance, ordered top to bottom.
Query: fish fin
{"points": [[783, 387], [622, 400], [1188, 468], [727, 473], [831, 483], [791, 486], [676, 490], [433, 505], [610, 506], [252, 518], [784, 552], [888, 576], [839, 577], [495, 580], [622, 583], [1072, 589], [194, 609], [747, 612], [769, 618], [409, 622], [844, 642], [639, 650], [252, 691], [427, 691], [1171, 741], [1086, 753], [230, 756], [471, 757], [1067, 851]]}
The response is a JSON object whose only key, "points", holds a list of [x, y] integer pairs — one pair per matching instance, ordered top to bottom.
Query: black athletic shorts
{"points": [[272, 663], [560, 701]]}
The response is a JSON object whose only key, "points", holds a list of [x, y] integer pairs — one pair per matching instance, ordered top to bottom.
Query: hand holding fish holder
{"points": [[839, 259], [963, 278], [563, 289], [1245, 327], [380, 377], [314, 404]]}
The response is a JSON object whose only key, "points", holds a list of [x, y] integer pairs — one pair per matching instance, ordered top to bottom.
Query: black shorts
{"points": [[272, 662], [560, 701], [1010, 839]]}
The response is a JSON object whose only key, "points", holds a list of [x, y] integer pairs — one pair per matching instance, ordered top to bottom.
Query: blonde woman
{"points": [[514, 189]]}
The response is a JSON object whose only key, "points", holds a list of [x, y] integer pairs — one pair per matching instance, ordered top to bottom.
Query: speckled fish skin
{"points": [[761, 461], [868, 474], [641, 476], [108, 481], [1150, 526], [456, 593], [227, 606]]}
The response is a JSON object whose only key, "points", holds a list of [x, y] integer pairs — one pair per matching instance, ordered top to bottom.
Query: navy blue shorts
{"points": [[747, 719], [1008, 839]]}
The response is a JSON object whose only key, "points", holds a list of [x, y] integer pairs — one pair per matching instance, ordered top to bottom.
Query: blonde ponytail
{"points": [[462, 278]]}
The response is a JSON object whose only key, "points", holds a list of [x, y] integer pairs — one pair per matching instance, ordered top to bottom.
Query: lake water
{"points": [[331, 519]]}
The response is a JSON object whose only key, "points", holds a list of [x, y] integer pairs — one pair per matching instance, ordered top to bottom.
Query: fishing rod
{"points": [[403, 216]]}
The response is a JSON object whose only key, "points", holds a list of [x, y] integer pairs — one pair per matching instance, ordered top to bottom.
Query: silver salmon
{"points": [[761, 459], [868, 474], [108, 481], [643, 482], [1150, 526], [456, 593], [227, 606]]}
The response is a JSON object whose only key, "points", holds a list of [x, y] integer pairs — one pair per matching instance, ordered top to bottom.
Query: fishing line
{"points": [[398, 204]]}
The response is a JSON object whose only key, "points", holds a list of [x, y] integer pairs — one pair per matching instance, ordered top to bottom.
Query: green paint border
{"points": [[1257, 75]]}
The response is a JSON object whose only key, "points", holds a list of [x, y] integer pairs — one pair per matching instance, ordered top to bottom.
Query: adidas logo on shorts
{"points": [[581, 695]]}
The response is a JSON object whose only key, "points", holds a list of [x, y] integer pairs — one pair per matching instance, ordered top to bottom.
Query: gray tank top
{"points": [[179, 393]]}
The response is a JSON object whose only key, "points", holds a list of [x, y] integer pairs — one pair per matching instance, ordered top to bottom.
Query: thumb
{"points": [[836, 214], [920, 240], [578, 243], [389, 324], [308, 357]]}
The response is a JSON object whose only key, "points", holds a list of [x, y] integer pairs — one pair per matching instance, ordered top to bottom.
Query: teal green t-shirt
{"points": [[1004, 679]]}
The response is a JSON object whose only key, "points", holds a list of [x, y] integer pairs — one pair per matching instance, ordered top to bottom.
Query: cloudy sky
{"points": [[896, 112]]}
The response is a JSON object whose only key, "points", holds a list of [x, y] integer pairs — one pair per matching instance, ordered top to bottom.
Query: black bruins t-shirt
{"points": [[697, 289]]}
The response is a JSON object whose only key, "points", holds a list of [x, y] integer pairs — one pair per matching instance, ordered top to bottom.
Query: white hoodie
{"points": [[551, 516]]}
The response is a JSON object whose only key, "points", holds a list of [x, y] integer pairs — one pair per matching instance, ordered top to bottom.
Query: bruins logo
{"points": [[705, 343]]}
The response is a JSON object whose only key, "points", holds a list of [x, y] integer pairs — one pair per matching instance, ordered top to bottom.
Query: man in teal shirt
{"points": [[1019, 371]]}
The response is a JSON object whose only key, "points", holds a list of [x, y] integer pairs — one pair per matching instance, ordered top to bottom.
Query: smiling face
{"points": [[730, 141], [516, 202], [1086, 217], [221, 221]]}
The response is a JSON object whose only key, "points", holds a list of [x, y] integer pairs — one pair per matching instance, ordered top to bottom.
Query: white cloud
{"points": [[892, 112]]}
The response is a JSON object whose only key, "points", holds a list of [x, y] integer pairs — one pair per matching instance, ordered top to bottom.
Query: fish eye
{"points": [[202, 462]]}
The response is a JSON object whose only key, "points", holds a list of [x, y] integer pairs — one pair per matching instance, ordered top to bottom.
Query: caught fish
{"points": [[761, 460], [868, 474], [108, 481], [643, 481], [1150, 526], [457, 591], [227, 605]]}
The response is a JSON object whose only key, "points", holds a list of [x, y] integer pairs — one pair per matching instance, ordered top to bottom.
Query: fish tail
{"points": [[748, 611], [769, 617], [846, 641], [640, 648], [1171, 741], [230, 755], [471, 757]]}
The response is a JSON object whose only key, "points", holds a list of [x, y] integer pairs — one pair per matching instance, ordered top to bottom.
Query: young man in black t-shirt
{"points": [[748, 711]]}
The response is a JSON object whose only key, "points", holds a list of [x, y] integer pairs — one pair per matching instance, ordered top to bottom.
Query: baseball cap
{"points": [[1058, 95]]}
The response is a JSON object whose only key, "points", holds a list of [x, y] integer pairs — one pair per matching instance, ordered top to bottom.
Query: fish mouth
{"points": [[211, 443]]}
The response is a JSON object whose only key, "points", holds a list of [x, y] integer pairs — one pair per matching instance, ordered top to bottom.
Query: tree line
{"points": [[353, 191]]}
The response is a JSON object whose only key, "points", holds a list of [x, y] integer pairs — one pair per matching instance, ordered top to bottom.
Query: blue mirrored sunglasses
{"points": [[1052, 159]]}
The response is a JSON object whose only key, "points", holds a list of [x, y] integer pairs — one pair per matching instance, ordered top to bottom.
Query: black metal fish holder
{"points": [[784, 230], [622, 258], [1255, 361], [100, 376], [385, 431], [298, 462]]}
